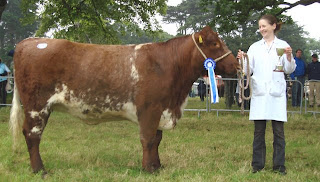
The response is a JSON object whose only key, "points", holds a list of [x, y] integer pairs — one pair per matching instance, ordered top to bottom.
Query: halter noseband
{"points": [[205, 57]]}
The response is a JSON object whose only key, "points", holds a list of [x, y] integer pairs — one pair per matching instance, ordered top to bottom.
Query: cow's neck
{"points": [[187, 70]]}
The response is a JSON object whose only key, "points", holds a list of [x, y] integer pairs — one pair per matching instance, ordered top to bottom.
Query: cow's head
{"points": [[213, 47]]}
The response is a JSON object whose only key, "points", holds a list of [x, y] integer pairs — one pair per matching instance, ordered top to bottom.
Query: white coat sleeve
{"points": [[288, 67]]}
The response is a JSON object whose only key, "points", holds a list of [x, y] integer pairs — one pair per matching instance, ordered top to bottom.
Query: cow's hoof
{"points": [[152, 168], [39, 170], [44, 174]]}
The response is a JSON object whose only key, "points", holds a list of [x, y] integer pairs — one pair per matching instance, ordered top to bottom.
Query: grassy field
{"points": [[208, 148]]}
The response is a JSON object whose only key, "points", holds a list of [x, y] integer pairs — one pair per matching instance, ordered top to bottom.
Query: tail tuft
{"points": [[16, 117]]}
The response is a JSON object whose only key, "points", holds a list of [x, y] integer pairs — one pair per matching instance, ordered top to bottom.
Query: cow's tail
{"points": [[16, 117]]}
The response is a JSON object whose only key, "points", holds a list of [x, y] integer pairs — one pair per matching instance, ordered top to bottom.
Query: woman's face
{"points": [[265, 29]]}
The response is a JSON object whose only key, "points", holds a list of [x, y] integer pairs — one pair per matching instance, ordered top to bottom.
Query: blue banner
{"points": [[210, 65]]}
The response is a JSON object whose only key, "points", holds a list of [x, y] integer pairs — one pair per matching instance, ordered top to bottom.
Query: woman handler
{"points": [[268, 100]]}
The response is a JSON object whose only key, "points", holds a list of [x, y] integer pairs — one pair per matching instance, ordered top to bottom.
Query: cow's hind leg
{"points": [[33, 127], [150, 139]]}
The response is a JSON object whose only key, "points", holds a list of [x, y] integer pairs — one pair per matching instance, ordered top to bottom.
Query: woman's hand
{"points": [[288, 51], [240, 54]]}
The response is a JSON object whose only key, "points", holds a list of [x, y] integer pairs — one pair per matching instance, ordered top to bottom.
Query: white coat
{"points": [[268, 101]]}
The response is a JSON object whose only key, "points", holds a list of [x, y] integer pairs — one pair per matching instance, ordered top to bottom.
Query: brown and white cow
{"points": [[146, 83]]}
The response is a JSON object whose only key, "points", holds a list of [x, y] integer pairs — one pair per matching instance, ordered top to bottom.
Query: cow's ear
{"points": [[206, 30], [210, 40]]}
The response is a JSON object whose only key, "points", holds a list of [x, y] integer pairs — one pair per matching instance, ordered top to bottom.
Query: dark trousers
{"points": [[296, 91], [3, 92], [202, 95], [259, 145]]}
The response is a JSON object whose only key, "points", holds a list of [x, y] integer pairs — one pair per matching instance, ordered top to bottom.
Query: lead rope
{"points": [[241, 82]]}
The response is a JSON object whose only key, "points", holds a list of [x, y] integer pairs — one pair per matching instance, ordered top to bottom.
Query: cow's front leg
{"points": [[150, 139], [151, 160]]}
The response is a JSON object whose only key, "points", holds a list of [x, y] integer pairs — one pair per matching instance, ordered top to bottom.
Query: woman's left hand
{"points": [[288, 51]]}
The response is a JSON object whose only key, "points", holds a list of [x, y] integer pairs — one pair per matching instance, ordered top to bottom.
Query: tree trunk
{"points": [[3, 4]]}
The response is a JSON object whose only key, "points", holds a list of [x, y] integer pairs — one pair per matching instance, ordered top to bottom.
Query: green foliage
{"points": [[3, 4], [229, 14], [190, 15], [95, 21], [238, 27], [12, 30], [294, 35], [144, 37], [313, 47]]}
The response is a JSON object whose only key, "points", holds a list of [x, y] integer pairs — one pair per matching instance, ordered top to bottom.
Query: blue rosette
{"points": [[210, 65]]}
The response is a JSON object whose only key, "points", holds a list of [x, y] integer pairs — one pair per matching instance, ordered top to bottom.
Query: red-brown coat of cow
{"points": [[147, 83]]}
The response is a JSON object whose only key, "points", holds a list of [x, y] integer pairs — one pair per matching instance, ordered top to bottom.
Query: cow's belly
{"points": [[64, 100], [95, 115]]}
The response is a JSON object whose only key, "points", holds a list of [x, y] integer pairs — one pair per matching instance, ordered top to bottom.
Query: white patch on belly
{"points": [[42, 45], [76, 106], [130, 111], [168, 121]]}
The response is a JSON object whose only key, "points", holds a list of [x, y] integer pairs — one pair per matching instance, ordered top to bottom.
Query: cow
{"points": [[145, 83]]}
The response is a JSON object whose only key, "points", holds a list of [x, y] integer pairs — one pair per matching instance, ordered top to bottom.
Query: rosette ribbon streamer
{"points": [[210, 65]]}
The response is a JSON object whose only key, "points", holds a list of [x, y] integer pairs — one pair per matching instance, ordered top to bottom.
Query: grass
{"points": [[207, 149]]}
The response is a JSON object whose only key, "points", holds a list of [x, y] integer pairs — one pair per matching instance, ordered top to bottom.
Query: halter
{"points": [[205, 57]]}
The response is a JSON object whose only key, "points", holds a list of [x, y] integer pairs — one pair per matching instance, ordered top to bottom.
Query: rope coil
{"points": [[241, 75]]}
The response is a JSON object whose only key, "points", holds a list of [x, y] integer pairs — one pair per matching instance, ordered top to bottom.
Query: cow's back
{"points": [[89, 79]]}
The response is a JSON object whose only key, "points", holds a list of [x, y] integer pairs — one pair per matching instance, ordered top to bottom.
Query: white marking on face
{"points": [[42, 45]]}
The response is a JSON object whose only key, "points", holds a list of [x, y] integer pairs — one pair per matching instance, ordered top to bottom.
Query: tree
{"points": [[3, 4], [231, 13], [190, 15], [94, 21], [12, 30], [144, 37], [313, 47]]}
